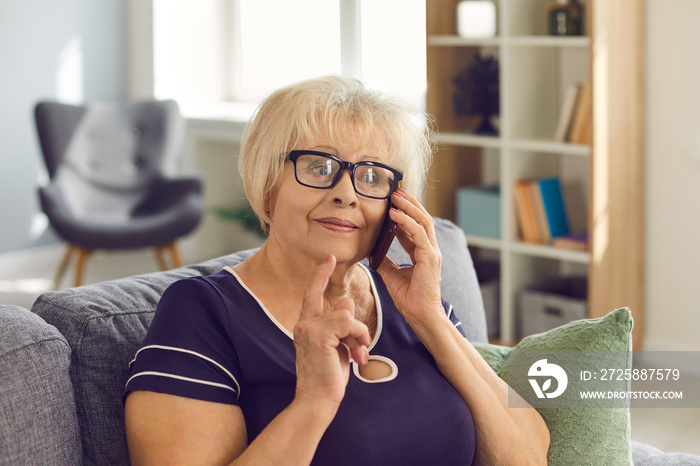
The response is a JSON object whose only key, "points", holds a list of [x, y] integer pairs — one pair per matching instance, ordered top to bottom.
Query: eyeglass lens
{"points": [[318, 171]]}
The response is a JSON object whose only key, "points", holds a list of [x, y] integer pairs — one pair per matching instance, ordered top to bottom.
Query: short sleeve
{"points": [[449, 310], [188, 350]]}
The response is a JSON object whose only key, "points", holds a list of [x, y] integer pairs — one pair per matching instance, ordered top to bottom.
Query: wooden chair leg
{"points": [[83, 255], [175, 255], [159, 257], [63, 266]]}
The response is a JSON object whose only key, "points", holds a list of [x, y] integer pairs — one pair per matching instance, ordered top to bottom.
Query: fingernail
{"points": [[366, 355]]}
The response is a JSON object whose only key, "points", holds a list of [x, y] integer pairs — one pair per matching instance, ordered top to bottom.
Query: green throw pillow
{"points": [[578, 435]]}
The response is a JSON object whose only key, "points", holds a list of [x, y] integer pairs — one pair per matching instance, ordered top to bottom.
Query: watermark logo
{"points": [[543, 370], [603, 379]]}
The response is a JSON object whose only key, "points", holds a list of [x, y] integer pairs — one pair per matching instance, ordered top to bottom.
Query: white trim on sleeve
{"points": [[194, 353], [179, 377]]}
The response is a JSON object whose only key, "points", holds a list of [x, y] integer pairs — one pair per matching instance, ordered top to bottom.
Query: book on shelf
{"points": [[566, 113], [581, 131], [554, 208], [540, 209], [524, 212], [540, 215], [577, 241]]}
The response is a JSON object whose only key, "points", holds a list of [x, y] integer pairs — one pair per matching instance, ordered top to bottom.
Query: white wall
{"points": [[49, 49], [673, 175]]}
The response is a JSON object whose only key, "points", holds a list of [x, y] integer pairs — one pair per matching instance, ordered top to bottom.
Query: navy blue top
{"points": [[212, 339]]}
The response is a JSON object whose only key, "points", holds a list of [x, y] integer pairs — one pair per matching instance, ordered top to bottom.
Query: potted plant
{"points": [[478, 92]]}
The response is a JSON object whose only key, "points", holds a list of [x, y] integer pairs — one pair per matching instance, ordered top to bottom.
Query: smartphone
{"points": [[381, 247]]}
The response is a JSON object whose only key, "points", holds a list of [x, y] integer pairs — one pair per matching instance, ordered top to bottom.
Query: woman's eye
{"points": [[321, 169], [370, 177]]}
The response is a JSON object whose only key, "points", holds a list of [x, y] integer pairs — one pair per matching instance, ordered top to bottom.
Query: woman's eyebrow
{"points": [[324, 147], [331, 149]]}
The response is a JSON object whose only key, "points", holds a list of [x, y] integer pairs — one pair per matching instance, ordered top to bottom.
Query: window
{"points": [[278, 42], [393, 47], [240, 50]]}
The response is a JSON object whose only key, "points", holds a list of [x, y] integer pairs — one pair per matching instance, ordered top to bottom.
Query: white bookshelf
{"points": [[535, 71]]}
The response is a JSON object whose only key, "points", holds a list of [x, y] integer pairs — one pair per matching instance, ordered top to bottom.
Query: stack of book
{"points": [[575, 118], [541, 214]]}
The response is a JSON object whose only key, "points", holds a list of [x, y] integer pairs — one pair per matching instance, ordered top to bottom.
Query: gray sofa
{"points": [[64, 364]]}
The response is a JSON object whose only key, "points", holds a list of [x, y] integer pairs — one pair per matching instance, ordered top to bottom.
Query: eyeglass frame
{"points": [[295, 154]]}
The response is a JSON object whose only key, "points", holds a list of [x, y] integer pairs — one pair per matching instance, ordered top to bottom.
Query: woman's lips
{"points": [[337, 224]]}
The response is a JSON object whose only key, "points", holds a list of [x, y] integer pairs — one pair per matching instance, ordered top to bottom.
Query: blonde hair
{"points": [[326, 108]]}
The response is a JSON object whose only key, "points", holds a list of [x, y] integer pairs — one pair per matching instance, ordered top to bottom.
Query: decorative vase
{"points": [[476, 18], [565, 18], [486, 127]]}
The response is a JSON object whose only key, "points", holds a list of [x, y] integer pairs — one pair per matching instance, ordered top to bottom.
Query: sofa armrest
{"points": [[38, 422], [646, 455]]}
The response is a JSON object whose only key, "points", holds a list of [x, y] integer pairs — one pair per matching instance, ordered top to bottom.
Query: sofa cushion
{"points": [[105, 323], [38, 422], [578, 435]]}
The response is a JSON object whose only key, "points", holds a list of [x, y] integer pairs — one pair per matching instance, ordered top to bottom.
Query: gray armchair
{"points": [[108, 187]]}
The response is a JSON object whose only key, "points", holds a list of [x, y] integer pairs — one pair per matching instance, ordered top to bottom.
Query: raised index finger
{"points": [[313, 297]]}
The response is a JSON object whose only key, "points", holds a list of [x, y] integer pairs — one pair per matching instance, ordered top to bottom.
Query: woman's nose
{"points": [[344, 192]]}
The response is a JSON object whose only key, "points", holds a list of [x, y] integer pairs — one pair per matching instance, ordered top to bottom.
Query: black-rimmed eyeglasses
{"points": [[320, 170]]}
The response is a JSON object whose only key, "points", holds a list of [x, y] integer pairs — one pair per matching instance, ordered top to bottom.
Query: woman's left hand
{"points": [[415, 289]]}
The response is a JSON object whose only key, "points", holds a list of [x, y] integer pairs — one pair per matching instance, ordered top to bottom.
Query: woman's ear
{"points": [[269, 203], [265, 222]]}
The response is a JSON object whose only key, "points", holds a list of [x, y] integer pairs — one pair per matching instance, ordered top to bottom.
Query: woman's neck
{"points": [[291, 272], [279, 281]]}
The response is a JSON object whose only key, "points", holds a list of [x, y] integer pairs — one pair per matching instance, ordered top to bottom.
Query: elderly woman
{"points": [[301, 354]]}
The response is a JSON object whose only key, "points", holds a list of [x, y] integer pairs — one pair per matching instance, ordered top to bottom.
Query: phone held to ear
{"points": [[381, 247]]}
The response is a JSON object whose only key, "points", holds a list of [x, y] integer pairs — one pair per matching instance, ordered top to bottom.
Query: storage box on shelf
{"points": [[536, 73], [479, 210], [550, 304]]}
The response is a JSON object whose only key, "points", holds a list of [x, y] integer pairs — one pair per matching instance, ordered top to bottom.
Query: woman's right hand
{"points": [[325, 342]]}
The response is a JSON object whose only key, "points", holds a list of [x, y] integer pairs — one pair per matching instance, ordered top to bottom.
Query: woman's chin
{"points": [[349, 256], [346, 258]]}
